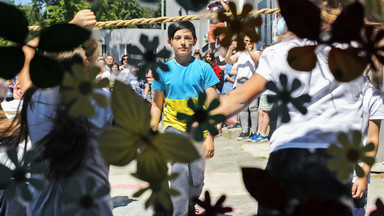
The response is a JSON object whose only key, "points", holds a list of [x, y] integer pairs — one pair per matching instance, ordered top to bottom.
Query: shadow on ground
{"points": [[120, 201]]}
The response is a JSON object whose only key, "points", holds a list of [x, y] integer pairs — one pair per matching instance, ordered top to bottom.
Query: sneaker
{"points": [[242, 136], [253, 136], [260, 138]]}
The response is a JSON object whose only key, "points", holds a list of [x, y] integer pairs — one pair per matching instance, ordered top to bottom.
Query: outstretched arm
{"points": [[360, 184]]}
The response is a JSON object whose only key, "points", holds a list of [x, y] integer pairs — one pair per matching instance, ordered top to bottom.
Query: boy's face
{"points": [[182, 42]]}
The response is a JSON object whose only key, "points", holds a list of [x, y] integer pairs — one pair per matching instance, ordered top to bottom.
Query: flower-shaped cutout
{"points": [[193, 5], [303, 18], [238, 26], [370, 45], [148, 59], [80, 87], [284, 96], [202, 117], [132, 138], [350, 153], [19, 178], [160, 191], [84, 199], [379, 209], [212, 210]]}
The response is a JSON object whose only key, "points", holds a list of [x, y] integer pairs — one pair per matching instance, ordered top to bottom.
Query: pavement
{"points": [[223, 177]]}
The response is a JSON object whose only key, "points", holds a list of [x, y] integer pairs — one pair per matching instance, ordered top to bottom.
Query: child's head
{"points": [[174, 27], [182, 37], [210, 58]]}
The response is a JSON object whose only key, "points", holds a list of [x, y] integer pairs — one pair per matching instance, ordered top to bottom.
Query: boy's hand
{"points": [[85, 18], [208, 147], [359, 187]]}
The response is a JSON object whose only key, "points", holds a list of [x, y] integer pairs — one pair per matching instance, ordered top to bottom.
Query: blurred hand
{"points": [[85, 18]]}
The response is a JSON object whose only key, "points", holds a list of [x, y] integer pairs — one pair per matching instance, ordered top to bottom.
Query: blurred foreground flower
{"points": [[305, 22], [238, 26], [370, 45], [148, 59], [79, 89], [283, 97], [201, 116], [132, 138], [350, 153], [19, 178], [82, 199], [379, 209], [212, 210]]}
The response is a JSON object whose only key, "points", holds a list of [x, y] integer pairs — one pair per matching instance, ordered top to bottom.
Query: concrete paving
{"points": [[223, 176]]}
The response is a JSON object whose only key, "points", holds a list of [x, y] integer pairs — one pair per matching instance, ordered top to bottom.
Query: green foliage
{"points": [[48, 12]]}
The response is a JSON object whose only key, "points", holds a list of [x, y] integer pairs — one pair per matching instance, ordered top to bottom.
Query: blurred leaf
{"points": [[193, 5], [373, 7], [302, 18], [14, 24], [348, 24], [62, 37], [302, 58], [12, 59], [345, 65], [45, 72], [128, 109], [118, 146], [176, 147], [151, 165], [265, 188], [379, 211]]}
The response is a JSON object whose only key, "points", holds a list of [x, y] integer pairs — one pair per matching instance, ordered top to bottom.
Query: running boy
{"points": [[186, 78]]}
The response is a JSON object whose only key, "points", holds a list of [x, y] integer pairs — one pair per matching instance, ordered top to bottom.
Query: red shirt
{"points": [[217, 71]]}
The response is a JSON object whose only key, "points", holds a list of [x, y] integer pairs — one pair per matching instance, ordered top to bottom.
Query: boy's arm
{"points": [[156, 108], [208, 147], [360, 184]]}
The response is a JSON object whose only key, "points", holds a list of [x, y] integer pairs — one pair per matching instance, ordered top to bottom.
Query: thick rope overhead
{"points": [[161, 20]]}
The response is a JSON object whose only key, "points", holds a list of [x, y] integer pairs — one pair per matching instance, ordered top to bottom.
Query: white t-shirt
{"points": [[246, 67], [335, 106], [373, 107]]}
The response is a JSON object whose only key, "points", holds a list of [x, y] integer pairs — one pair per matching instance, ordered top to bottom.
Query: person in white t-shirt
{"points": [[246, 66], [373, 107], [298, 148]]}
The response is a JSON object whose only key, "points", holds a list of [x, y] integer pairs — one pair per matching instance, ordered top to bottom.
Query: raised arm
{"points": [[225, 5], [229, 58]]}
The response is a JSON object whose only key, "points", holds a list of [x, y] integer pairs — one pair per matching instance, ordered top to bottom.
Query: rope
{"points": [[161, 20]]}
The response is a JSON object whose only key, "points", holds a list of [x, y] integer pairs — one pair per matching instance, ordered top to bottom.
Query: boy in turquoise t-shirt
{"points": [[186, 78]]}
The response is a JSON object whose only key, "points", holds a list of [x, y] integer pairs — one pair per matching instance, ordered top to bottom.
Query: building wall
{"points": [[114, 41]]}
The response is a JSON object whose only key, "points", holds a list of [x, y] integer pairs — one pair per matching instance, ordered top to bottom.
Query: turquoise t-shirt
{"points": [[181, 83]]}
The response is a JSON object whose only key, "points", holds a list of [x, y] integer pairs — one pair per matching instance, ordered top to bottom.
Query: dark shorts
{"points": [[304, 174]]}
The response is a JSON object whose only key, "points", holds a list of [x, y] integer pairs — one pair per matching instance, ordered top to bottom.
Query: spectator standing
{"points": [[215, 7], [197, 54], [210, 59], [109, 61], [220, 61], [247, 61], [124, 62], [141, 87], [264, 108]]}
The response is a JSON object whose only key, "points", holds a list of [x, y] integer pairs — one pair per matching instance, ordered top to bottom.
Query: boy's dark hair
{"points": [[174, 27]]}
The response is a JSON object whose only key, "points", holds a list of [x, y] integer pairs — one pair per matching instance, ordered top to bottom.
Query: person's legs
{"points": [[212, 37], [244, 115], [254, 115], [263, 122], [304, 174], [196, 183], [181, 184], [360, 205]]}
